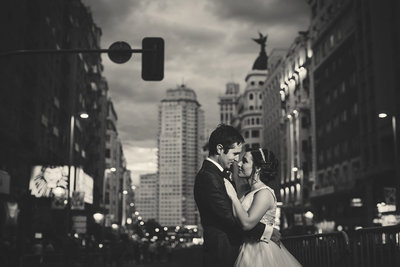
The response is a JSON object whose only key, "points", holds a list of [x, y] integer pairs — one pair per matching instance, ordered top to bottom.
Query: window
{"points": [[251, 96], [355, 109], [344, 115], [328, 126], [255, 133]]}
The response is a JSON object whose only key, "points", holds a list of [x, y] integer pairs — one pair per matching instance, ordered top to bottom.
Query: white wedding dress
{"points": [[261, 253]]}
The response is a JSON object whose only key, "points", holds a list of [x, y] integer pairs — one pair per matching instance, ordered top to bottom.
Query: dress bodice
{"points": [[269, 216]]}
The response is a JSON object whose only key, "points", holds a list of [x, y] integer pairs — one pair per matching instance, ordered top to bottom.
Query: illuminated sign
{"points": [[45, 180], [84, 184], [356, 202]]}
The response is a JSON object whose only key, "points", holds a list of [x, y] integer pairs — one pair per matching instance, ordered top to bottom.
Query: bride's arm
{"points": [[262, 201]]}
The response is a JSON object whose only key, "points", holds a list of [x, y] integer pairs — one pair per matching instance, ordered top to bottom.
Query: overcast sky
{"points": [[207, 44]]}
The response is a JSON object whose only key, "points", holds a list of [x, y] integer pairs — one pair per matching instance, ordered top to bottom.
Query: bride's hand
{"points": [[230, 189]]}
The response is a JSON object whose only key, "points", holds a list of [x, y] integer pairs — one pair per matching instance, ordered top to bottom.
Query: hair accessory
{"points": [[262, 154]]}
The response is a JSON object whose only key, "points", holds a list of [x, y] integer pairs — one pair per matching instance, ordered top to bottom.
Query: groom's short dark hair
{"points": [[225, 135]]}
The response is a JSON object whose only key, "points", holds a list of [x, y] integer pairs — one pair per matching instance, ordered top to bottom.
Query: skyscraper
{"points": [[180, 119]]}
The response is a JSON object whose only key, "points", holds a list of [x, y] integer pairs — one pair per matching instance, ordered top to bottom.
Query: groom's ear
{"points": [[220, 149]]}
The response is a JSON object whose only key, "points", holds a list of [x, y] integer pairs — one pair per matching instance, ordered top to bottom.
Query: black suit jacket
{"points": [[222, 234]]}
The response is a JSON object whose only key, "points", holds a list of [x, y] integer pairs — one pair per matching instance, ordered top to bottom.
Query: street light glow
{"points": [[84, 115], [382, 115], [113, 169], [98, 217]]}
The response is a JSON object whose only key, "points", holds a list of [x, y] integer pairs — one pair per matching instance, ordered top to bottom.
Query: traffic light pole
{"points": [[66, 51], [119, 52]]}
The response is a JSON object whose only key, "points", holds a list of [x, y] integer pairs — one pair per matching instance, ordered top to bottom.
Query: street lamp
{"points": [[82, 115], [383, 115]]}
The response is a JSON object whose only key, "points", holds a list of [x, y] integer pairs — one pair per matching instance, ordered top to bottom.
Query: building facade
{"points": [[354, 78], [41, 94], [228, 103], [272, 104], [249, 111], [297, 132], [178, 156], [115, 168], [147, 199]]}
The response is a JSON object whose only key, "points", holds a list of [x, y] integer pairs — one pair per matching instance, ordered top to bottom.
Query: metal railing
{"points": [[379, 246], [368, 247], [328, 250], [62, 260]]}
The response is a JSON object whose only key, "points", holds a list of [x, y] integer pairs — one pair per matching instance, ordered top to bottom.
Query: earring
{"points": [[256, 177]]}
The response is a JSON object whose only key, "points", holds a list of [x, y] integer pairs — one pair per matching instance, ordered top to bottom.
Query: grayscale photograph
{"points": [[199, 133]]}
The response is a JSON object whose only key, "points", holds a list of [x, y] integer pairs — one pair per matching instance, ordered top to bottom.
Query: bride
{"points": [[259, 205]]}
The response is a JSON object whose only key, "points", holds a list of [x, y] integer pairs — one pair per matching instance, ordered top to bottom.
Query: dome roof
{"points": [[261, 62]]}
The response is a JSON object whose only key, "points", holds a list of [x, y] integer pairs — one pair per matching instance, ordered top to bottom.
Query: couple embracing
{"points": [[238, 232]]}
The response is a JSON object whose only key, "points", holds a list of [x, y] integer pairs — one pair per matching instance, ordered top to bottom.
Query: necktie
{"points": [[226, 174]]}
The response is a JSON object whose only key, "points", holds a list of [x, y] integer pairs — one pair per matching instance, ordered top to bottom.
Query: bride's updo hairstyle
{"points": [[266, 161]]}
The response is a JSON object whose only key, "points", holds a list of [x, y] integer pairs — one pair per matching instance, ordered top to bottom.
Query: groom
{"points": [[222, 234]]}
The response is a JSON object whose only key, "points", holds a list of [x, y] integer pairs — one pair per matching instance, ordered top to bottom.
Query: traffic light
{"points": [[119, 52], [152, 59]]}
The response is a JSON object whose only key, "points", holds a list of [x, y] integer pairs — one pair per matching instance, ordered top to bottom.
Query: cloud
{"points": [[268, 12], [107, 13], [207, 44], [145, 161]]}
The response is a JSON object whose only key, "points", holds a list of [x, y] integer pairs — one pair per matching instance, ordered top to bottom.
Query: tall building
{"points": [[355, 77], [289, 84], [40, 95], [228, 103], [272, 105], [249, 112], [179, 147], [115, 168], [147, 198]]}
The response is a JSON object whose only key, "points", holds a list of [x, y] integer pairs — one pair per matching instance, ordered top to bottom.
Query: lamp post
{"points": [[396, 159], [72, 188]]}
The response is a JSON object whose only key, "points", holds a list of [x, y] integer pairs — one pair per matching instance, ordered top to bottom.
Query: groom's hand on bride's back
{"points": [[276, 237]]}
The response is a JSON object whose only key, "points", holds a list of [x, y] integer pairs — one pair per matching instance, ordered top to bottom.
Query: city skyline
{"points": [[193, 40]]}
